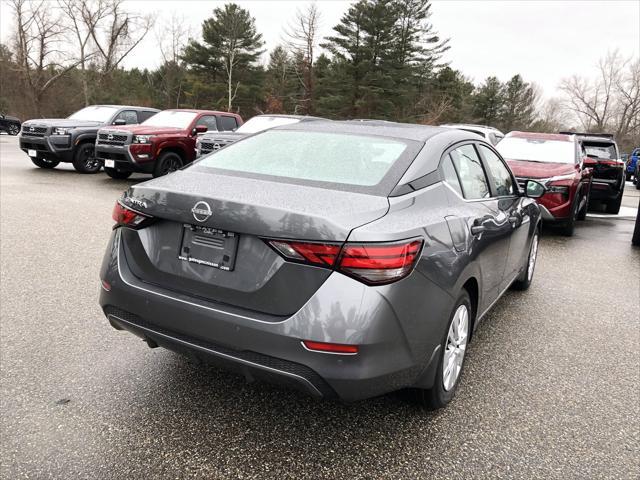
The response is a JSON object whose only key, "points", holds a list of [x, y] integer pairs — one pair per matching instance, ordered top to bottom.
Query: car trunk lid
{"points": [[246, 211]]}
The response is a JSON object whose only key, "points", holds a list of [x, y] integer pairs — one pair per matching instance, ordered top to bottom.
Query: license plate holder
{"points": [[32, 153], [110, 163], [208, 246]]}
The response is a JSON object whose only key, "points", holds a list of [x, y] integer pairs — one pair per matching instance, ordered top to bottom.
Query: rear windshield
{"points": [[257, 124], [537, 150], [601, 150], [345, 161]]}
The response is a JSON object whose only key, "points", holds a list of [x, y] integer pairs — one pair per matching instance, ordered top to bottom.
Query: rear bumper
{"points": [[57, 147], [393, 352]]}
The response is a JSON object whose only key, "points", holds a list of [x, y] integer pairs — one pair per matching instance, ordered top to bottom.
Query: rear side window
{"points": [[144, 114], [129, 116], [209, 121], [228, 123], [470, 172], [450, 175], [502, 180]]}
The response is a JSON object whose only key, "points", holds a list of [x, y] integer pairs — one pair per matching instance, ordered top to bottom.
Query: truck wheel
{"points": [[14, 129], [84, 160], [44, 163], [167, 163], [118, 175], [613, 206], [582, 214], [570, 225]]}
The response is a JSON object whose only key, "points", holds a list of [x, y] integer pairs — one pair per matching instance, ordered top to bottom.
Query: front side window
{"points": [[129, 116], [171, 118], [208, 121], [347, 159], [470, 172], [502, 180]]}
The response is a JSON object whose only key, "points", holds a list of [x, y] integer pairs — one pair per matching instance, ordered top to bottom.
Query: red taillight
{"points": [[124, 216], [320, 254], [371, 263], [379, 263], [330, 347]]}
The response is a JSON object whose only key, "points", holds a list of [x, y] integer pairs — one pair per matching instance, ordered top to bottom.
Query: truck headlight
{"points": [[61, 131], [142, 139]]}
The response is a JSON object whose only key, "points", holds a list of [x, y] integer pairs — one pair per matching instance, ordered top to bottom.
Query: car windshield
{"points": [[95, 114], [171, 118], [258, 124], [537, 150], [602, 150], [349, 159]]}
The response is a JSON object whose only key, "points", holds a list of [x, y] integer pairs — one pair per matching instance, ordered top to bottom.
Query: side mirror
{"points": [[120, 121], [200, 129], [533, 189]]}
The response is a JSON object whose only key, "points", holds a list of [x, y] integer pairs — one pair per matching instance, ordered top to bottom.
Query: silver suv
{"points": [[490, 134]]}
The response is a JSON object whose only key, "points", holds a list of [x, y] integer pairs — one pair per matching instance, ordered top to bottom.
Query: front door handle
{"points": [[514, 219]]}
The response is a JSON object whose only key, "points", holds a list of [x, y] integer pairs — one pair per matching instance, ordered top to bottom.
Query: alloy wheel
{"points": [[14, 129], [171, 165], [533, 254], [455, 348]]}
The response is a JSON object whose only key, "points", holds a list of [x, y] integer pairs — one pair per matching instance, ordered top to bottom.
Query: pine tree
{"points": [[231, 45], [488, 101]]}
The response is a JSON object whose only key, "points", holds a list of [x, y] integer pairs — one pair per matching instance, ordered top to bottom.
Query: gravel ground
{"points": [[550, 390]]}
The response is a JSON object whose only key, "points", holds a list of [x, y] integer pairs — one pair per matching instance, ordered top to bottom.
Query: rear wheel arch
{"points": [[473, 290]]}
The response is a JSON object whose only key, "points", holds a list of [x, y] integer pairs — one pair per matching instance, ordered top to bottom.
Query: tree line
{"points": [[384, 59]]}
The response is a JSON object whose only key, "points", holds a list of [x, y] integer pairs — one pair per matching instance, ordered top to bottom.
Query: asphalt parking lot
{"points": [[551, 387]]}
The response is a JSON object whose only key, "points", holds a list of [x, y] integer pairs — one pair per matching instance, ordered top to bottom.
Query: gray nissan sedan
{"points": [[346, 259]]}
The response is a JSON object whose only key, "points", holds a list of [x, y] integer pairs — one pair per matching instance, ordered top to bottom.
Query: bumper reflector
{"points": [[330, 347]]}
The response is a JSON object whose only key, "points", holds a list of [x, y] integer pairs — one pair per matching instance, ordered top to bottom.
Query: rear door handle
{"points": [[514, 219], [477, 229]]}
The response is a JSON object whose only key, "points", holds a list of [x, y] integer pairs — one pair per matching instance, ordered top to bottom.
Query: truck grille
{"points": [[32, 131], [114, 139], [208, 147]]}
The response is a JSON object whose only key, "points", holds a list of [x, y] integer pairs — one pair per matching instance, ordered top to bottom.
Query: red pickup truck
{"points": [[161, 144]]}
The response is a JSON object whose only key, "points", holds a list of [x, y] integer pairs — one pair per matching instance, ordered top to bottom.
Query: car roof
{"points": [[122, 107], [192, 110], [284, 115], [469, 125], [381, 128], [542, 136]]}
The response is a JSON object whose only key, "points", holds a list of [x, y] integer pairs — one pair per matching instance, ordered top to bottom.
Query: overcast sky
{"points": [[542, 40]]}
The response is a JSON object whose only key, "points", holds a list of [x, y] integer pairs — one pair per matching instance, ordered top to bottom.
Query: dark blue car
{"points": [[632, 161]]}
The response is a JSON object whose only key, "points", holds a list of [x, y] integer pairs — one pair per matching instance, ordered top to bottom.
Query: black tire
{"points": [[14, 129], [84, 160], [44, 163], [167, 163], [118, 175], [627, 176], [638, 184], [613, 206], [582, 213], [570, 224], [523, 282], [438, 396]]}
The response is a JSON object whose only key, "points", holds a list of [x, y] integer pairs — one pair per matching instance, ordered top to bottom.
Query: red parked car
{"points": [[161, 144], [556, 161]]}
